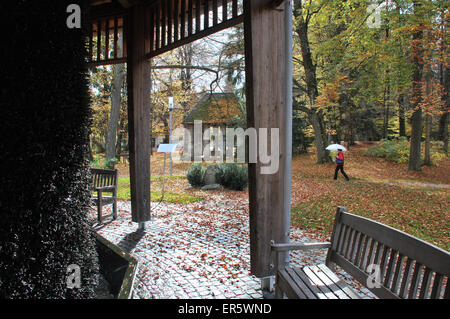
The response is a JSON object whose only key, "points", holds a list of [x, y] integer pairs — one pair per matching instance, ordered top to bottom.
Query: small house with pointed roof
{"points": [[214, 109]]}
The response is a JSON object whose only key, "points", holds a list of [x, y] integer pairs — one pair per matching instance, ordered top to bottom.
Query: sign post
{"points": [[170, 134], [165, 148]]}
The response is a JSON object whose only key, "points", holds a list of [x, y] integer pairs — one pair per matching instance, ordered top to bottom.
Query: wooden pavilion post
{"points": [[264, 31], [139, 122]]}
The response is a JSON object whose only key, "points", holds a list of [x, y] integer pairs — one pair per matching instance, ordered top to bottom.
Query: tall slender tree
{"points": [[114, 115], [315, 115], [415, 160]]}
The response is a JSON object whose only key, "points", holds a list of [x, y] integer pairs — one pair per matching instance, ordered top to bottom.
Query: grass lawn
{"points": [[379, 189], [124, 192], [419, 212], [423, 212]]}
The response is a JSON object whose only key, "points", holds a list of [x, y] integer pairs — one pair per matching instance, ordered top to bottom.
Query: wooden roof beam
{"points": [[99, 2], [128, 3]]}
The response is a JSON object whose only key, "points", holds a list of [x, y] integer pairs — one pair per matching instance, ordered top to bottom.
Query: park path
{"points": [[413, 184], [198, 250]]}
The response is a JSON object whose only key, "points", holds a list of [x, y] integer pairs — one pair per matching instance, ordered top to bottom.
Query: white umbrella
{"points": [[335, 147]]}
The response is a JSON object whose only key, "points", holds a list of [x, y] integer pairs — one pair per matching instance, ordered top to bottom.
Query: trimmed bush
{"points": [[394, 150], [397, 150], [100, 162], [220, 172], [45, 173], [195, 175], [232, 176]]}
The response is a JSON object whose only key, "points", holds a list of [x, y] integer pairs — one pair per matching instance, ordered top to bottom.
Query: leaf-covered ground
{"points": [[379, 189]]}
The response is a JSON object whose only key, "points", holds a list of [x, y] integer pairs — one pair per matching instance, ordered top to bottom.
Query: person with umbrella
{"points": [[339, 159]]}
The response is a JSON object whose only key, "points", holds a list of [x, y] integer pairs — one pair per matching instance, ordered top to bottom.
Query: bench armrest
{"points": [[105, 189], [299, 246]]}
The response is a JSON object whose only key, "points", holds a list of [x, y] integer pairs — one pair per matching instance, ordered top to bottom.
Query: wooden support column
{"points": [[266, 108], [139, 126]]}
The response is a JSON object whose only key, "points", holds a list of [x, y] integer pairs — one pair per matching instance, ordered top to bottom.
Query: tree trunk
{"points": [[428, 78], [444, 80], [387, 89], [115, 112], [385, 115], [401, 115], [315, 116], [416, 119], [443, 120], [443, 130], [119, 143], [322, 154], [90, 157], [427, 159], [415, 161]]}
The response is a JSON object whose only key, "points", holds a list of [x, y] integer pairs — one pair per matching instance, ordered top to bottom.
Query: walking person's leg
{"points": [[336, 171], [343, 173]]}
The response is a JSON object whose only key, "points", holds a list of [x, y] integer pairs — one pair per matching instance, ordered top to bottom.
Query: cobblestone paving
{"points": [[198, 251]]}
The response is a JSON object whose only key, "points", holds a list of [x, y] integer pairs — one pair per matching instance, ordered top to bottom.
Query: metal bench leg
{"points": [[99, 206], [115, 206], [267, 283], [278, 292]]}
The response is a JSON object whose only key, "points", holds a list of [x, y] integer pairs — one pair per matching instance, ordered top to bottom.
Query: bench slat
{"points": [[105, 200], [346, 240], [341, 241], [350, 243], [354, 246], [358, 248], [417, 249], [386, 251], [376, 258], [368, 259], [360, 262], [391, 262], [361, 276], [406, 278], [396, 280], [338, 281], [414, 281], [309, 283], [329, 283], [319, 284], [425, 285], [288, 286], [437, 286], [304, 287], [447, 292]]}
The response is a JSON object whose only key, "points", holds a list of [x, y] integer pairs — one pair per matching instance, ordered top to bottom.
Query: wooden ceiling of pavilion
{"points": [[169, 24]]}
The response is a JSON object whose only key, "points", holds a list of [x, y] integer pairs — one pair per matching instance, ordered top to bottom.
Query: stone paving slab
{"points": [[198, 250]]}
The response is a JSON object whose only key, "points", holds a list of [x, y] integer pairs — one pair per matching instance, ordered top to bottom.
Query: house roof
{"points": [[217, 108]]}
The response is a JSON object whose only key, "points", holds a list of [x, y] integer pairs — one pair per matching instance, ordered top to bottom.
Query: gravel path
{"points": [[414, 184], [198, 250]]}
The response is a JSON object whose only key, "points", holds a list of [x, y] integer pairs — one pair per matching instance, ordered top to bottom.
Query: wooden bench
{"points": [[104, 181], [389, 262]]}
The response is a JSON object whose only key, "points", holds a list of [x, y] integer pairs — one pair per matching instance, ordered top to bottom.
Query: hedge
{"points": [[46, 117]]}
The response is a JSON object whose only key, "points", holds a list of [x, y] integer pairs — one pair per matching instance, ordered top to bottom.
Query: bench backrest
{"points": [[103, 177], [407, 266]]}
